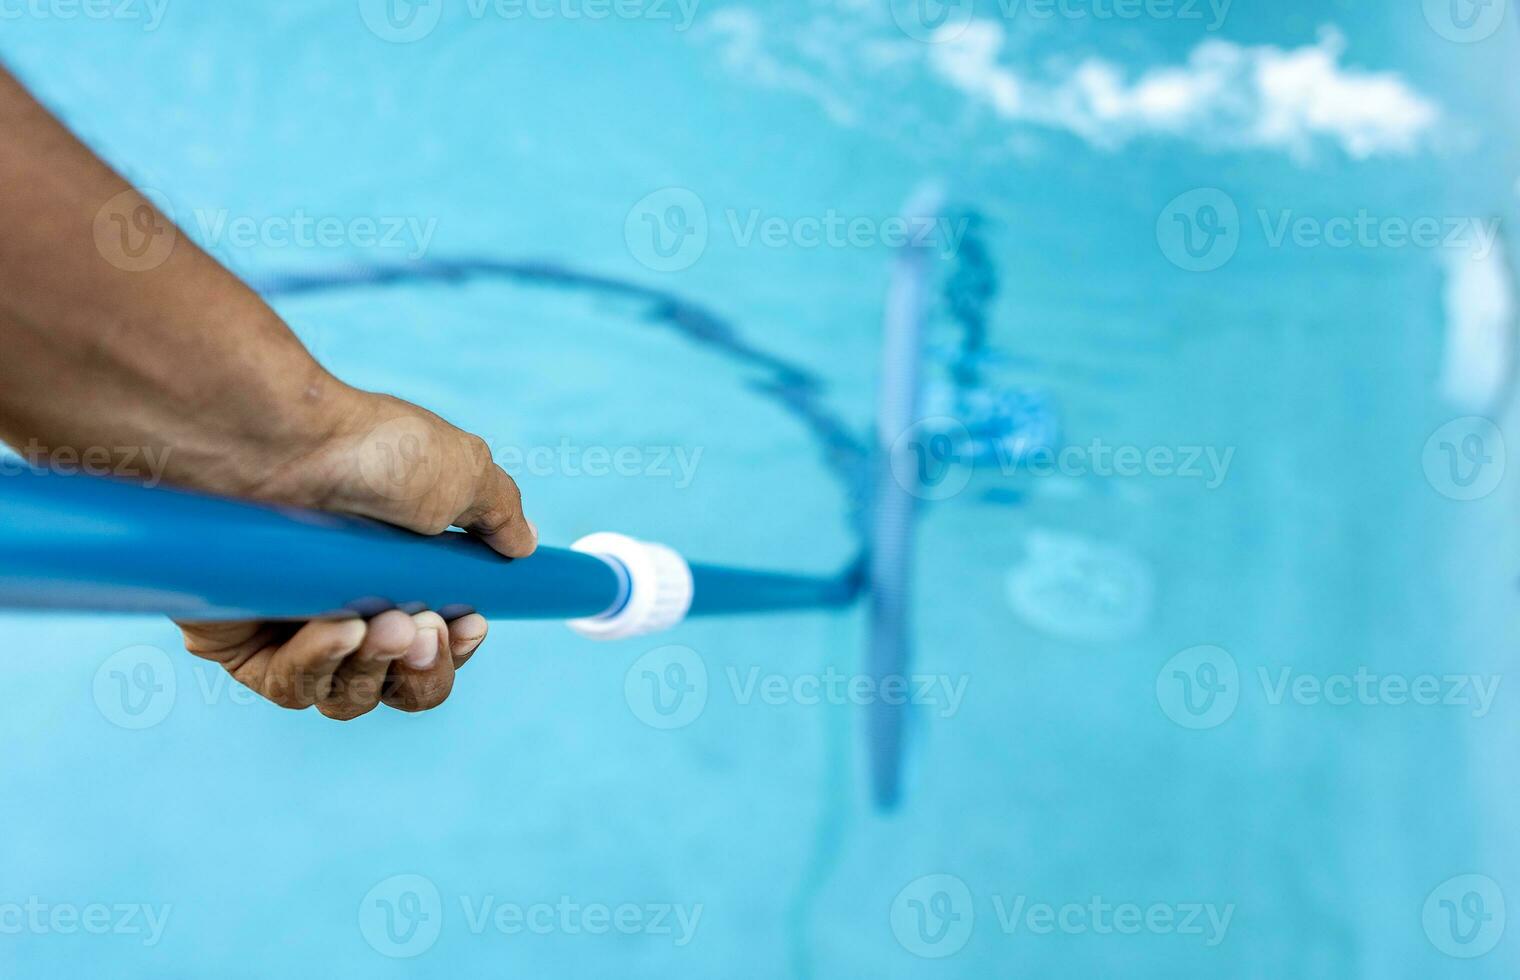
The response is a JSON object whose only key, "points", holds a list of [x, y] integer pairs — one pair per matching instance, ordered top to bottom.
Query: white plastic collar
{"points": [[659, 587]]}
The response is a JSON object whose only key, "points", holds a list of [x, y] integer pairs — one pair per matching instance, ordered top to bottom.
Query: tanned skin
{"points": [[122, 341]]}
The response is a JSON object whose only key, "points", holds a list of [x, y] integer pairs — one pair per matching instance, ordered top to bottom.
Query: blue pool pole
{"points": [[894, 499], [99, 545]]}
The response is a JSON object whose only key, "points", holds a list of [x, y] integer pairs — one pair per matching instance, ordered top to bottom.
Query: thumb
{"points": [[417, 471], [495, 513]]}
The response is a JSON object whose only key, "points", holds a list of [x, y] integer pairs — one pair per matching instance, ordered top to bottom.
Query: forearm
{"points": [[170, 353]]}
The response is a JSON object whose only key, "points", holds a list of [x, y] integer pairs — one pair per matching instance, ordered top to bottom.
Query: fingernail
{"points": [[534, 528], [353, 634], [423, 651]]}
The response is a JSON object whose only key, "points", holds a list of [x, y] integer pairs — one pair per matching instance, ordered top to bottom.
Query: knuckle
{"points": [[478, 449], [511, 491], [432, 516], [492, 521], [430, 620], [389, 636], [361, 691], [295, 695], [423, 695], [287, 699]]}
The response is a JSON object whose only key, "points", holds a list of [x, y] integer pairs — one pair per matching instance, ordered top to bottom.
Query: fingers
{"points": [[496, 514], [466, 634], [228, 644], [345, 668], [296, 672], [423, 678], [359, 681]]}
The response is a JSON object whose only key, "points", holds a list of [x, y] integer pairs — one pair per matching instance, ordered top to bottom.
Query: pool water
{"points": [[1126, 758]]}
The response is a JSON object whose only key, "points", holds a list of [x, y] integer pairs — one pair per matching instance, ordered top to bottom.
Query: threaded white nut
{"points": [[659, 587]]}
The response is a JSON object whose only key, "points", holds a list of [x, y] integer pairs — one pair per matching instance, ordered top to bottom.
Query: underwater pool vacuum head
{"points": [[894, 502]]}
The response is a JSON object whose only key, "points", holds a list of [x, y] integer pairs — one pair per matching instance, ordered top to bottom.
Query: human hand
{"points": [[176, 360], [390, 460]]}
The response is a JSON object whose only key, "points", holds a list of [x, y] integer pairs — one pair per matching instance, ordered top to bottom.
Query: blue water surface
{"points": [[1082, 765]]}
